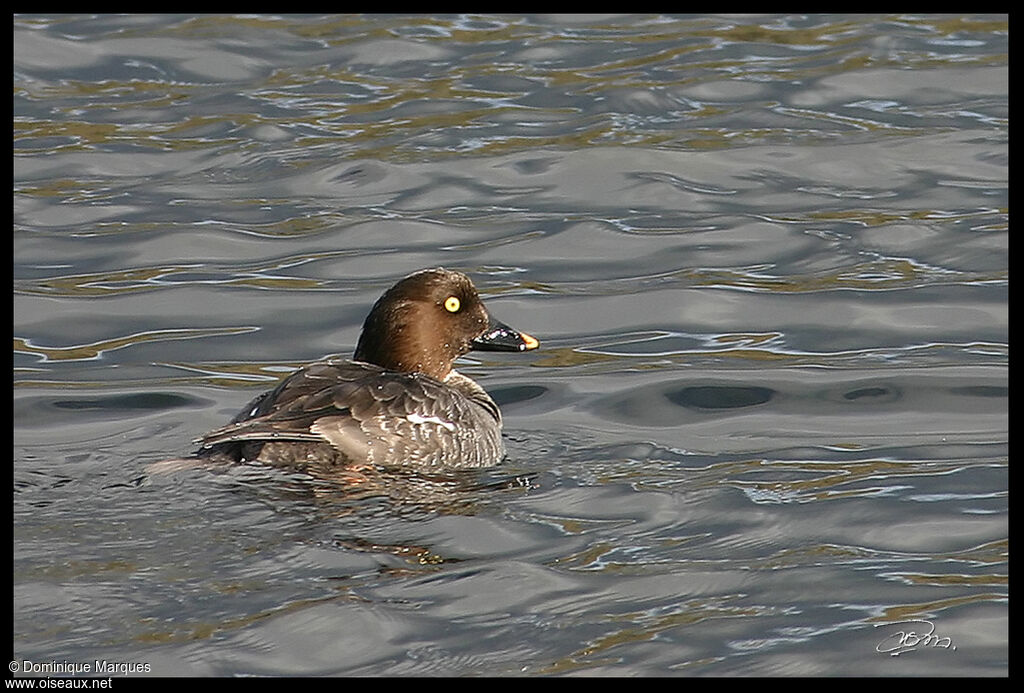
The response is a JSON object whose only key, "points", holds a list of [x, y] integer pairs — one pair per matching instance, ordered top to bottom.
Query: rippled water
{"points": [[766, 257]]}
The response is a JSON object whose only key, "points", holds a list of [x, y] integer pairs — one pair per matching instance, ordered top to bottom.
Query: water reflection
{"points": [[768, 255], [342, 492]]}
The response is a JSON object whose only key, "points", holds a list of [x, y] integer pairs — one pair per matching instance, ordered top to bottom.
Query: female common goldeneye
{"points": [[399, 402]]}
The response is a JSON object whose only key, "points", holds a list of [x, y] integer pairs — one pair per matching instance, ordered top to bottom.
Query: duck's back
{"points": [[335, 412]]}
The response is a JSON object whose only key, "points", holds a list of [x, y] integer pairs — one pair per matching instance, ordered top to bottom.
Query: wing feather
{"points": [[367, 413]]}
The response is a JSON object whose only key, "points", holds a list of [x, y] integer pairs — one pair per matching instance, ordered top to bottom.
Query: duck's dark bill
{"points": [[501, 337]]}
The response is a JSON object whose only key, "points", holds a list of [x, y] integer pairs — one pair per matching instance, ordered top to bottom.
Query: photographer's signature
{"points": [[905, 640]]}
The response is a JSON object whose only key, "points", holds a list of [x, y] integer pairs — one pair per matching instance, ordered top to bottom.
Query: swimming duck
{"points": [[399, 402]]}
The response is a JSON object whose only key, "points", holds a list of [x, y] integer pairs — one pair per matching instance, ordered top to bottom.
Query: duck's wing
{"points": [[368, 413]]}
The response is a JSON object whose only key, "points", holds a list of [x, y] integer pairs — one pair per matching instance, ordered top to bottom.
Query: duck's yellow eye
{"points": [[452, 304]]}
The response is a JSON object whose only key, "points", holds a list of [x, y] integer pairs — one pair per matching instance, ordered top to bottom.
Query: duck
{"points": [[398, 402]]}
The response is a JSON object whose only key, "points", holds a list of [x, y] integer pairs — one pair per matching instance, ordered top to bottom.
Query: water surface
{"points": [[766, 257]]}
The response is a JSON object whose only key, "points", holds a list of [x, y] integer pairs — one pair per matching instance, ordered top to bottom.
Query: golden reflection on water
{"points": [[377, 125], [95, 350]]}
